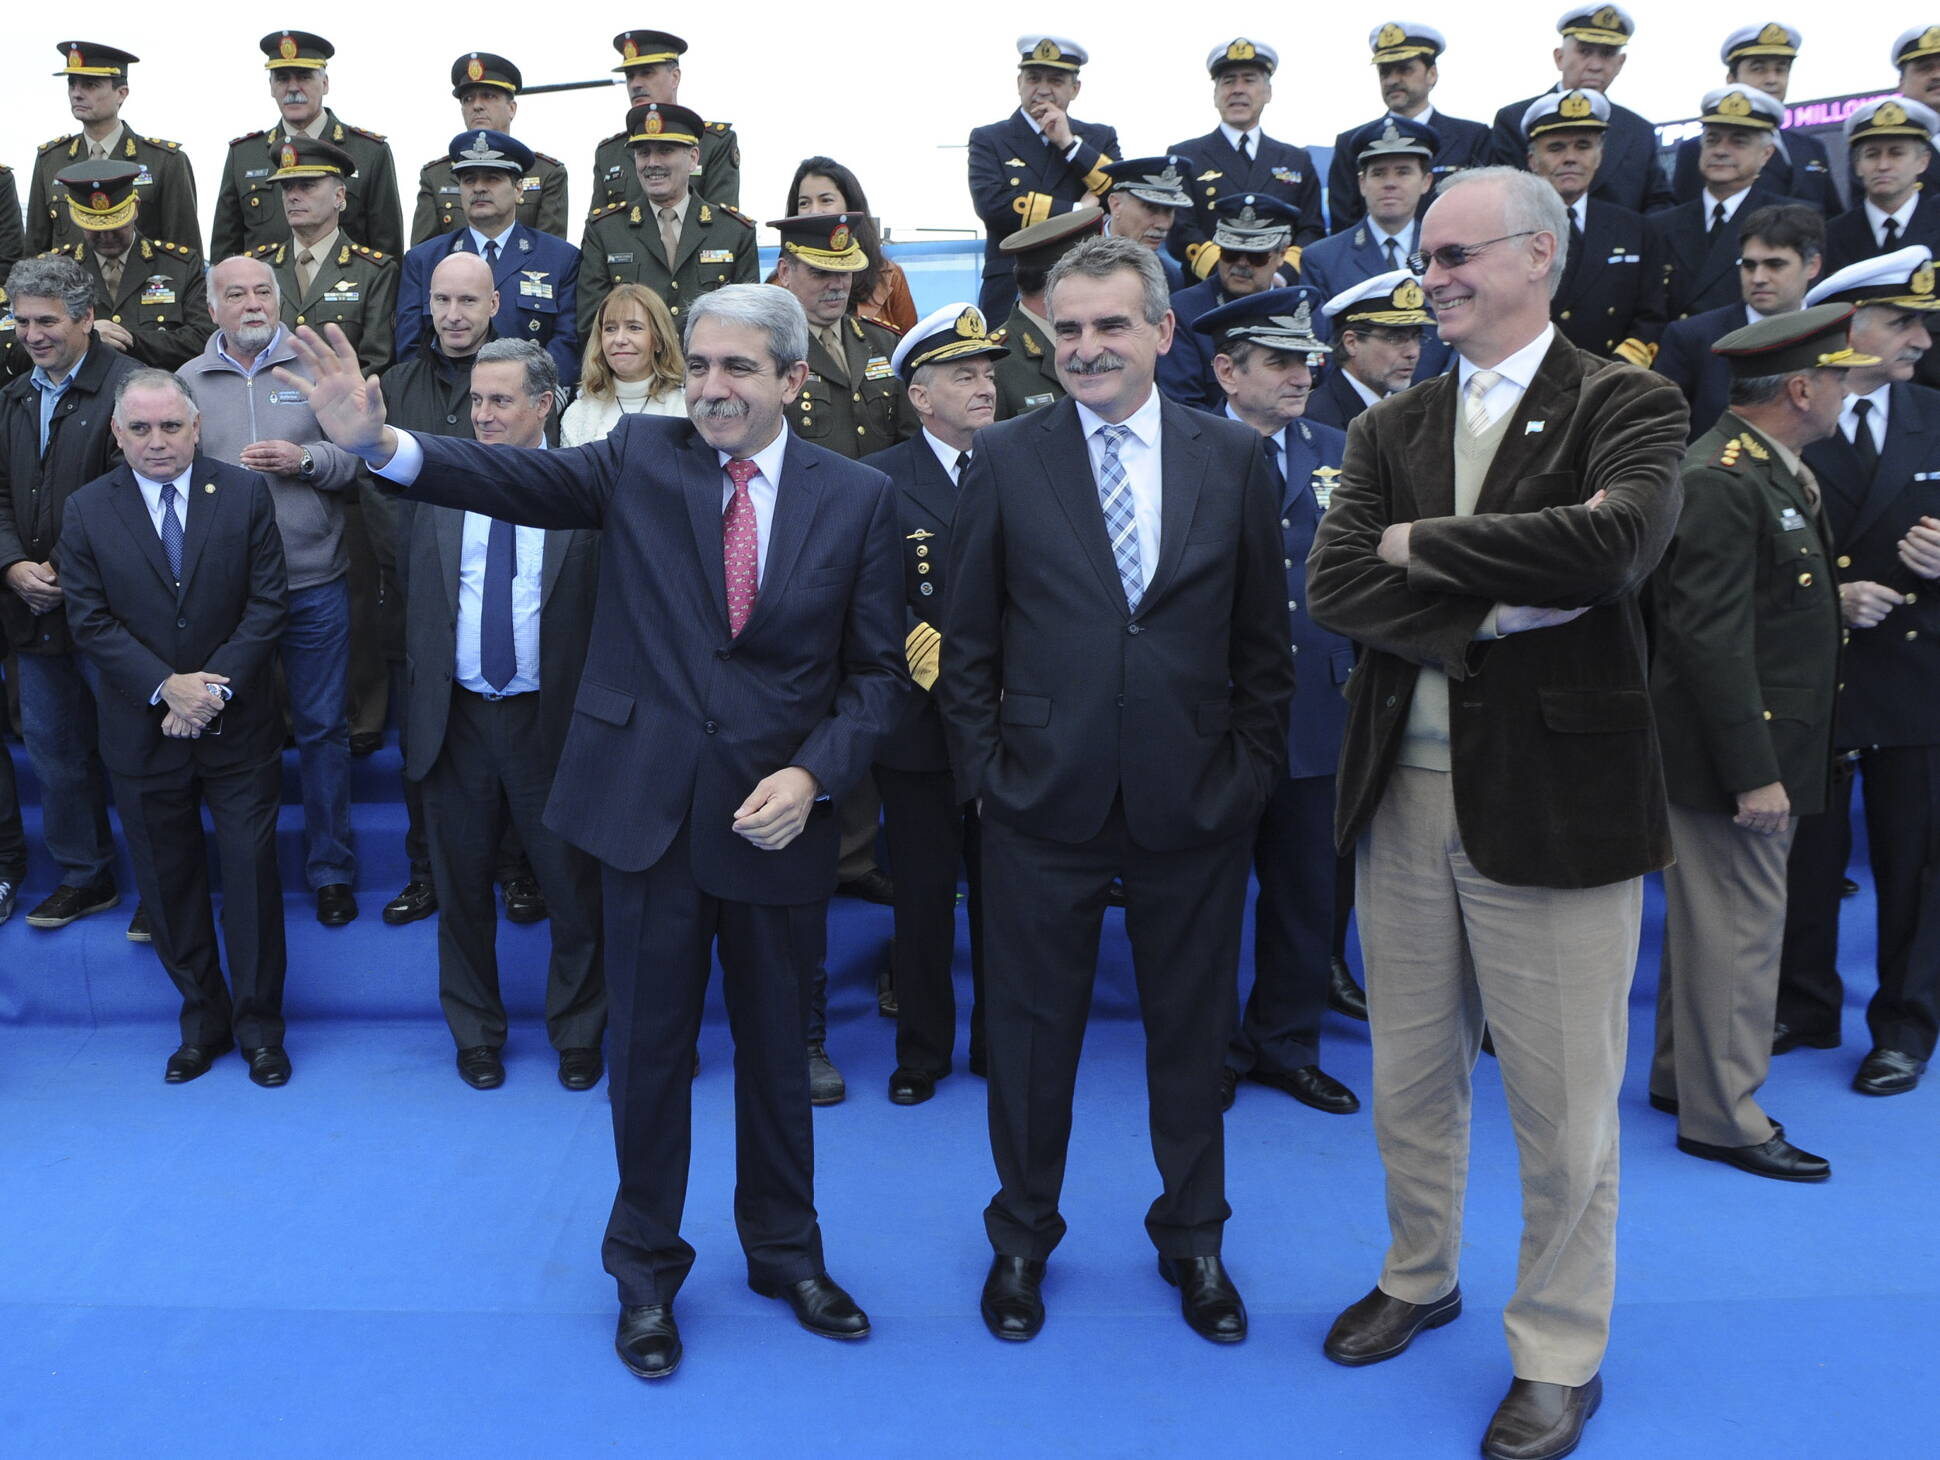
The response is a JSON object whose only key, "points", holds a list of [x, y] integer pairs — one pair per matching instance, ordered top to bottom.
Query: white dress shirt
{"points": [[1253, 138], [1731, 204], [1902, 215], [1513, 377], [1366, 393], [1875, 418], [946, 455], [1139, 455], [151, 494], [528, 577]]}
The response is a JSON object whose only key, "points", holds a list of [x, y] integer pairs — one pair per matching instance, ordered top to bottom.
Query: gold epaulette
{"points": [[343, 127], [720, 127], [248, 137], [58, 141], [163, 142], [548, 157], [604, 209], [735, 213], [176, 248], [264, 250], [362, 250]]}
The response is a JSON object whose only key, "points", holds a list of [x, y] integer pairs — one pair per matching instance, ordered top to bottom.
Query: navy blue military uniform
{"points": [[1463, 144], [1278, 170], [1629, 175], [1017, 178], [1694, 266], [537, 279], [1603, 300], [1684, 358]]}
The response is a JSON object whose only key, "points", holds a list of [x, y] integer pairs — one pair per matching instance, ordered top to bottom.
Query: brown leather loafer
{"points": [[1379, 1327], [1537, 1421]]}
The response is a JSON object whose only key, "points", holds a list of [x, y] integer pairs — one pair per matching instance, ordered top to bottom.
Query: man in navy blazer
{"points": [[1407, 61], [1037, 161], [536, 274], [1264, 349], [176, 594], [746, 656], [1115, 671]]}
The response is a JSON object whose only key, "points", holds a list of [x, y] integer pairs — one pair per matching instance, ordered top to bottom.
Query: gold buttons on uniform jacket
{"points": [[922, 551], [1845, 562], [922, 567], [1805, 580], [1912, 597], [1913, 633], [1768, 714]]}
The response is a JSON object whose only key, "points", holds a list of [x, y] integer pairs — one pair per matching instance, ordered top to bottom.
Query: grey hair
{"points": [[1529, 205], [1099, 258], [61, 279], [275, 284], [765, 307], [541, 375], [148, 379], [1757, 390]]}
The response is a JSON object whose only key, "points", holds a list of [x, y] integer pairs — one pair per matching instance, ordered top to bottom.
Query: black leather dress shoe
{"points": [[366, 742], [872, 886], [1848, 887], [1115, 894], [419, 899], [525, 902], [66, 904], [336, 905], [138, 929], [1344, 996], [1785, 1039], [192, 1061], [268, 1065], [481, 1068], [580, 1069], [1888, 1072], [1310, 1085], [1228, 1086], [910, 1087], [1663, 1102], [1777, 1158], [1207, 1297], [1013, 1298], [820, 1306], [1379, 1327], [648, 1342], [1537, 1421]]}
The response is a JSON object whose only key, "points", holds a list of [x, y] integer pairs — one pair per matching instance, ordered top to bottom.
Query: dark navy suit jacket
{"points": [[1463, 144], [1009, 159], [1278, 169], [1629, 175], [1352, 257], [1698, 265], [1603, 299], [543, 309], [1334, 401], [926, 501], [1322, 659], [676, 720]]}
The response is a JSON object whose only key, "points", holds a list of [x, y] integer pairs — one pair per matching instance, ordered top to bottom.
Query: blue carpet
{"points": [[380, 1261]]}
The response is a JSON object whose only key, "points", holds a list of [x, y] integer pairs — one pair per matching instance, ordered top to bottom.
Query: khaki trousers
{"points": [[1550, 971], [1717, 990]]}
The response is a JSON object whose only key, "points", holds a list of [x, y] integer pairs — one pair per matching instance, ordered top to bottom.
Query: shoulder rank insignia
{"points": [[717, 126], [360, 131], [247, 137], [164, 142], [49, 146], [604, 209], [707, 213], [735, 213], [376, 256], [998, 336], [1032, 347], [1755, 448], [1728, 455]]}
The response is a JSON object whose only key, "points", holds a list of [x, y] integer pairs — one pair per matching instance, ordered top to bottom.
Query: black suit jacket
{"points": [[1463, 144], [1278, 169], [1806, 175], [1629, 176], [1015, 178], [1850, 237], [1696, 266], [1602, 300], [1684, 358], [1334, 401], [34, 489], [926, 500], [569, 581], [138, 626], [1889, 673], [1056, 699], [676, 721], [1557, 776]]}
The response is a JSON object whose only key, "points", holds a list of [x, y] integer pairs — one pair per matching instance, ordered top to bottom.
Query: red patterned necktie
{"points": [[740, 547]]}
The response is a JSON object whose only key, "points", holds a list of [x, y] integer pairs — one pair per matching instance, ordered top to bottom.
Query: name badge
{"points": [[1814, 165], [256, 172], [452, 191], [717, 255], [1620, 257], [619, 258], [342, 294], [877, 369], [813, 379], [286, 397], [1031, 401], [1918, 476], [1789, 520]]}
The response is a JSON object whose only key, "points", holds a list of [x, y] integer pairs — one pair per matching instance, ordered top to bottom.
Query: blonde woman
{"points": [[632, 366]]}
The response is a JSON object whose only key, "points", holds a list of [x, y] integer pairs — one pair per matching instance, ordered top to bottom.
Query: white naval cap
{"points": [[1598, 25], [1773, 38], [1403, 40], [1922, 40], [1050, 50], [1242, 52], [1739, 105], [1555, 110], [1891, 116], [1902, 279], [1394, 298], [954, 332]]}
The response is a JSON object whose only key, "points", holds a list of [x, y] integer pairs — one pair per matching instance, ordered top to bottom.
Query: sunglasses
{"points": [[1454, 255], [1247, 256]]}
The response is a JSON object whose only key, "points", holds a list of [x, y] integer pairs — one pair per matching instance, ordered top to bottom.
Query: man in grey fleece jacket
{"points": [[251, 419]]}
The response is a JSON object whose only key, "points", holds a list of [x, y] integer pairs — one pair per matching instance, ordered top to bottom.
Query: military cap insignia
{"points": [[1605, 19], [1391, 35], [1774, 35], [1931, 36], [286, 48], [1046, 50], [629, 51], [1241, 51], [75, 58], [474, 69], [1737, 104], [1575, 106], [1891, 113], [652, 125], [1390, 134], [288, 156], [1169, 179], [98, 202], [1248, 217], [839, 239], [1922, 280], [1407, 295], [970, 322], [1301, 322]]}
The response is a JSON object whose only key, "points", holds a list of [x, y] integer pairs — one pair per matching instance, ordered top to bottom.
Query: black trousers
{"points": [[489, 770], [1901, 787], [161, 817], [13, 835], [930, 835], [417, 846], [1045, 902], [1293, 930], [661, 933]]}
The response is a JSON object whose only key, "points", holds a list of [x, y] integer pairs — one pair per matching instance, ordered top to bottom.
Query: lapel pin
{"points": [[1533, 428], [209, 488]]}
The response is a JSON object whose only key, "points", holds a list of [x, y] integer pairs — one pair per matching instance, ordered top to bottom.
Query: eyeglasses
{"points": [[1454, 255]]}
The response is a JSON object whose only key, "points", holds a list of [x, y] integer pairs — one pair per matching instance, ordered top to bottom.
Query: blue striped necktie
{"points": [[1115, 496], [171, 533]]}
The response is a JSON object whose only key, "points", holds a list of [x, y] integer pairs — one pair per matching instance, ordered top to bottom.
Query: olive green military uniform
{"points": [[717, 178], [165, 190], [543, 206], [249, 209], [13, 239], [622, 246], [356, 288], [161, 299], [1028, 376], [854, 405]]}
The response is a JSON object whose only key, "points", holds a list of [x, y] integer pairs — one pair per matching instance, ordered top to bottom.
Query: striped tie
{"points": [[1479, 385], [1115, 496], [171, 533]]}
